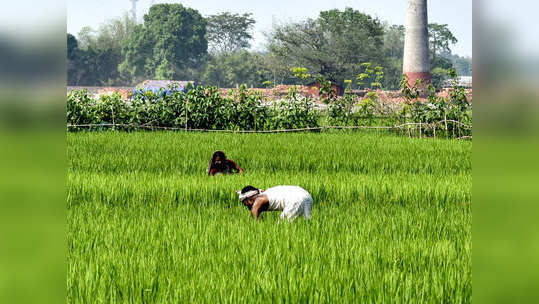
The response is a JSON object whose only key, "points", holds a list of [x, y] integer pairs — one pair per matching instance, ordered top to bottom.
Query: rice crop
{"points": [[391, 219]]}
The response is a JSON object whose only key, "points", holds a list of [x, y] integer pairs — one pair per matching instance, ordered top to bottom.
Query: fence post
{"points": [[185, 108], [112, 111], [445, 121]]}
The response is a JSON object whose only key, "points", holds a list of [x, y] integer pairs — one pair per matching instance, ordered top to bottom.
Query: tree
{"points": [[227, 33], [86, 38], [440, 39], [170, 43], [334, 45], [72, 46], [394, 51], [73, 56], [93, 59], [463, 65], [243, 67], [439, 75]]}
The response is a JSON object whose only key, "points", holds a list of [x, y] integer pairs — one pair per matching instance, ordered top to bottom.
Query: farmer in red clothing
{"points": [[220, 165]]}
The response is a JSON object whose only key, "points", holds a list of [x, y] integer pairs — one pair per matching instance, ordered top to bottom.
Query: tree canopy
{"points": [[228, 33], [440, 39], [170, 42], [173, 43], [333, 45], [94, 57], [242, 67]]}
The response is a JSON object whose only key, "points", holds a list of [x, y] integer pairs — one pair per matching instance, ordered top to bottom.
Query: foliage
{"points": [[228, 32], [440, 39], [173, 41], [170, 42], [332, 45], [393, 52], [94, 58], [463, 65], [229, 70], [300, 73], [370, 77], [438, 77], [327, 91], [410, 93], [368, 105], [198, 108], [243, 109], [340, 110], [437, 111], [293, 112], [249, 113], [146, 225]]}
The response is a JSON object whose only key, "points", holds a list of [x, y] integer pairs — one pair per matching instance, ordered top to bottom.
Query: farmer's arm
{"points": [[235, 166], [260, 205]]}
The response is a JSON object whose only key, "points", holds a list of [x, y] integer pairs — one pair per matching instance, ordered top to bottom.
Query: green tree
{"points": [[227, 33], [440, 40], [170, 43], [333, 45], [394, 51], [93, 59], [73, 60], [463, 65], [229, 70], [439, 76]]}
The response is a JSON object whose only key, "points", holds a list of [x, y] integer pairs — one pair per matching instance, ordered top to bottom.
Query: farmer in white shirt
{"points": [[293, 201]]}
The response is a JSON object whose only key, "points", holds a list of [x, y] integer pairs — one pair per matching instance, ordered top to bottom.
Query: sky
{"points": [[456, 13]]}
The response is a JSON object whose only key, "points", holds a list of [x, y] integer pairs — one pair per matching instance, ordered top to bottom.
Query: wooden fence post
{"points": [[185, 108], [112, 111], [445, 121]]}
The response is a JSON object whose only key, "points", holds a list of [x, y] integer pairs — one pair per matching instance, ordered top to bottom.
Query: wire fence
{"points": [[412, 129]]}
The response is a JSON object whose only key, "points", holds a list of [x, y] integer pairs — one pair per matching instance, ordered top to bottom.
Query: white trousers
{"points": [[303, 207]]}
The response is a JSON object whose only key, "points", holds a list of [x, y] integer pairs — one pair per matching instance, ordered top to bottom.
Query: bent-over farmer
{"points": [[293, 201]]}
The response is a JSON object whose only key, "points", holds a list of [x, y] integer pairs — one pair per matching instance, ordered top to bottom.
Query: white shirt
{"points": [[286, 197]]}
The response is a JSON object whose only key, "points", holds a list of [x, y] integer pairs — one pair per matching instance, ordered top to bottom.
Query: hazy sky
{"points": [[456, 13]]}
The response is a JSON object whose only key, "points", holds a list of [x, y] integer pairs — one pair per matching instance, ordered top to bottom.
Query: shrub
{"points": [[295, 111], [249, 113]]}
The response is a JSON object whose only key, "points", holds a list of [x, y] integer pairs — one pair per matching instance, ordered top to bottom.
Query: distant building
{"points": [[462, 81], [165, 86]]}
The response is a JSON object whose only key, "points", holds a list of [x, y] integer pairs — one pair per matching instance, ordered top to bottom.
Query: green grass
{"points": [[391, 219]]}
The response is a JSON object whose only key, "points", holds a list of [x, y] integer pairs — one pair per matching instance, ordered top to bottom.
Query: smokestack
{"points": [[134, 9], [416, 44]]}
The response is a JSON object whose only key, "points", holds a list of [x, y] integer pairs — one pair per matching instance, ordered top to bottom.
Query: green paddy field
{"points": [[392, 219]]}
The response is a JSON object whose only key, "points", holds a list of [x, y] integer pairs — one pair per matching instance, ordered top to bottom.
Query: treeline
{"points": [[176, 42]]}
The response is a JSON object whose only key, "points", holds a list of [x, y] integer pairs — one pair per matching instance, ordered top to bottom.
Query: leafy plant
{"points": [[370, 77], [295, 111]]}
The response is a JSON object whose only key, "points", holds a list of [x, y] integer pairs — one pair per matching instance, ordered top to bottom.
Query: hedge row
{"points": [[198, 108]]}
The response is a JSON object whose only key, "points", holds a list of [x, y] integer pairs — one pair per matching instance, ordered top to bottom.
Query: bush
{"points": [[439, 76], [241, 109], [341, 110], [295, 111], [249, 113]]}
